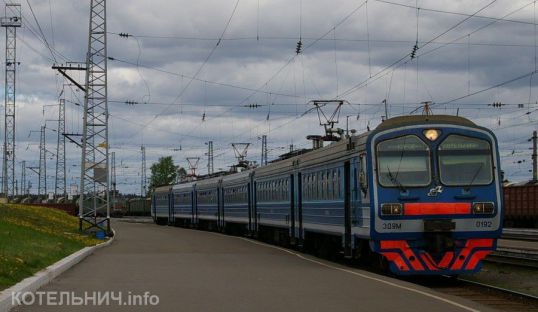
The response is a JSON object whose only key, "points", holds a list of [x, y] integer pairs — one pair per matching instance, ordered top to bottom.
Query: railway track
{"points": [[520, 234], [515, 256], [491, 296]]}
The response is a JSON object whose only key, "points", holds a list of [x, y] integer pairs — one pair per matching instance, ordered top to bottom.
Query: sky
{"points": [[227, 71]]}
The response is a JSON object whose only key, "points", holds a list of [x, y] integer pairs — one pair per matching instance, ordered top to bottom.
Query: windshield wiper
{"points": [[475, 175], [395, 180]]}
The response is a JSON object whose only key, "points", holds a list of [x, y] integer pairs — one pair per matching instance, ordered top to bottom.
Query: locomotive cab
{"points": [[436, 194]]}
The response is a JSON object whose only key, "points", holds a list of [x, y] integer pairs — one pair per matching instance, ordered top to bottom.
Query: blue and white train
{"points": [[423, 192]]}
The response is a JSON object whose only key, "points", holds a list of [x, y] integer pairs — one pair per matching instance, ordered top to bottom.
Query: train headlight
{"points": [[432, 134], [483, 208], [394, 209]]}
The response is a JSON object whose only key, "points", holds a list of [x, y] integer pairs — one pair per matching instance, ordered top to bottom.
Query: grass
{"points": [[32, 238]]}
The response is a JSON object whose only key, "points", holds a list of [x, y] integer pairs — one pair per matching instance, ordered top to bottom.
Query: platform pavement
{"points": [[193, 270]]}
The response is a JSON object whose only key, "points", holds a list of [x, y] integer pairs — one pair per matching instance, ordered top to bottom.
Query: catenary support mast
{"points": [[11, 21], [94, 206]]}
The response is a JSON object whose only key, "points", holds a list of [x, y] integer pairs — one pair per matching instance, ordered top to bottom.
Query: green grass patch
{"points": [[32, 238]]}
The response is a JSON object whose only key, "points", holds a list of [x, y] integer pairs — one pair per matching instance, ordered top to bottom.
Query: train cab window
{"points": [[403, 161], [465, 161]]}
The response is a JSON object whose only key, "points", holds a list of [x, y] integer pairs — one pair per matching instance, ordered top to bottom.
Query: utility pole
{"points": [[11, 21], [264, 151], [534, 160], [210, 167], [143, 173], [113, 178], [42, 182], [94, 182], [60, 184]]}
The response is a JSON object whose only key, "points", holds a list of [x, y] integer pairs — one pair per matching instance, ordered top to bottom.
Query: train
{"points": [[423, 193], [521, 204]]}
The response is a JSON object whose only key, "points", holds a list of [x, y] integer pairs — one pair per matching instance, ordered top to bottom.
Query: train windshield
{"points": [[403, 161], [465, 161]]}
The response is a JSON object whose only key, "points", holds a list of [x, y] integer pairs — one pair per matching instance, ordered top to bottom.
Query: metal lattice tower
{"points": [[11, 21], [264, 151], [210, 157], [143, 172], [42, 173], [23, 177], [94, 183], [60, 184]]}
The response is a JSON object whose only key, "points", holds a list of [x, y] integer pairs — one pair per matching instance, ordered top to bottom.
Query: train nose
{"points": [[437, 253]]}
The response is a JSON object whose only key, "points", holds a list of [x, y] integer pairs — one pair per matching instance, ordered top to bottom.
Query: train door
{"points": [[249, 206], [195, 207], [170, 208], [220, 208], [347, 210], [254, 212], [293, 213], [298, 213]]}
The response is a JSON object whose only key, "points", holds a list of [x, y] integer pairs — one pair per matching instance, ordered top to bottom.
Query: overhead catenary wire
{"points": [[41, 30], [199, 68]]}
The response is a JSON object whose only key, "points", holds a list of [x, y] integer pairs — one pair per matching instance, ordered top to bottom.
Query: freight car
{"points": [[422, 192], [521, 205], [138, 207]]}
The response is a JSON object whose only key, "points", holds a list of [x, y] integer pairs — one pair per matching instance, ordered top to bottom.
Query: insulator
{"points": [[299, 47], [414, 52]]}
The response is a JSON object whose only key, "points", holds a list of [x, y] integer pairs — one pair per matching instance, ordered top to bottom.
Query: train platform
{"points": [[193, 270]]}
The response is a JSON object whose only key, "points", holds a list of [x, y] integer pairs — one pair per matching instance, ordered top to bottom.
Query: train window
{"points": [[403, 161], [465, 161], [330, 184], [335, 184], [287, 185], [322, 185], [327, 185], [339, 185], [308, 186], [281, 189], [315, 189]]}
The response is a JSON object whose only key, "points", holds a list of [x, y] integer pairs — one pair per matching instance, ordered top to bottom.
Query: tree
{"points": [[163, 172], [181, 174]]}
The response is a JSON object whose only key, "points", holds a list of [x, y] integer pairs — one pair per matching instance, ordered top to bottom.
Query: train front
{"points": [[436, 194]]}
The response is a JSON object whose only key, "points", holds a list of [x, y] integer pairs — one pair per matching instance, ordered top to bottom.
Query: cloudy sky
{"points": [[227, 71]]}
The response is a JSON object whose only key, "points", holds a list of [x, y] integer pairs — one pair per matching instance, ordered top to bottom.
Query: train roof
{"points": [[403, 121], [183, 185], [163, 188]]}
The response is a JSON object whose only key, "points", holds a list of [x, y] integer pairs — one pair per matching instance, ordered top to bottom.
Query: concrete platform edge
{"points": [[45, 276]]}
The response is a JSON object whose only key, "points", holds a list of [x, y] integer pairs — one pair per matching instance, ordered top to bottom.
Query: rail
{"points": [[520, 234], [515, 256]]}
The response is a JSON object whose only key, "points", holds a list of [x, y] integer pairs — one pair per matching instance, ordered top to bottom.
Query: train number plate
{"points": [[443, 225]]}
